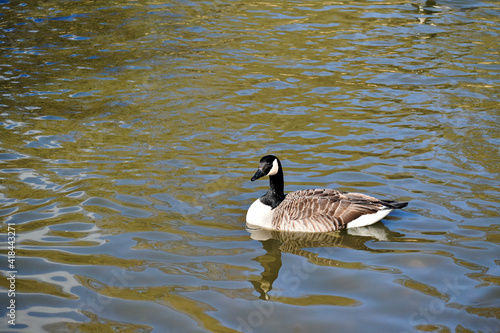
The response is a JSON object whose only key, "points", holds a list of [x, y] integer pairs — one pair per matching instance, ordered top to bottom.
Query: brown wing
{"points": [[322, 210]]}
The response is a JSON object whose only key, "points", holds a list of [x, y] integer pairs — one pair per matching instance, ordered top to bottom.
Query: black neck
{"points": [[275, 195]]}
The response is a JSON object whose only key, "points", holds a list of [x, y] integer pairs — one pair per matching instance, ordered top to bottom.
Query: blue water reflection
{"points": [[129, 132]]}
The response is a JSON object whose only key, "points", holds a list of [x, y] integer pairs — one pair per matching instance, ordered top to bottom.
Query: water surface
{"points": [[130, 130]]}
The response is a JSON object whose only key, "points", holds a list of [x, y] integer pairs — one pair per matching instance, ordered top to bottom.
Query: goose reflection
{"points": [[431, 8], [275, 242]]}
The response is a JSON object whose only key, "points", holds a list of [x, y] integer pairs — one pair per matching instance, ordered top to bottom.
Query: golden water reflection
{"points": [[129, 132]]}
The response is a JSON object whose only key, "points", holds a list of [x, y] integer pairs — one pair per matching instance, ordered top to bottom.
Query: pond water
{"points": [[129, 131]]}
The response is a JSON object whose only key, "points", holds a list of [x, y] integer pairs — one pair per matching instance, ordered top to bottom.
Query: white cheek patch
{"points": [[274, 169]]}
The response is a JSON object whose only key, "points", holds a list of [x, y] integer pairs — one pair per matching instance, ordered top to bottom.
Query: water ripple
{"points": [[129, 132]]}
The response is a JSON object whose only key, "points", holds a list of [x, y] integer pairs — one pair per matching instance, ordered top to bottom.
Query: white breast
{"points": [[259, 215]]}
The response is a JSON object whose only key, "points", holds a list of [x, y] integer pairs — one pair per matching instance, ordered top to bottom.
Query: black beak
{"points": [[257, 175]]}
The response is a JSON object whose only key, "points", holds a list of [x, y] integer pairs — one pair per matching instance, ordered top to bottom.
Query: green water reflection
{"points": [[129, 132]]}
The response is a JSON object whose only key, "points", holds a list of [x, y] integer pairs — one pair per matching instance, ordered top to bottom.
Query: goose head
{"points": [[269, 165]]}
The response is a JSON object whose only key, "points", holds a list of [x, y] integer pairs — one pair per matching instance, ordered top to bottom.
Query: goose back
{"points": [[323, 210]]}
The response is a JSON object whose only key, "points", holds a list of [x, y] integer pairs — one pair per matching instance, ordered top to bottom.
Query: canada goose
{"points": [[318, 210]]}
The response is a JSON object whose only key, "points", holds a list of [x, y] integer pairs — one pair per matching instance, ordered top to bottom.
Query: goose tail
{"points": [[393, 204]]}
